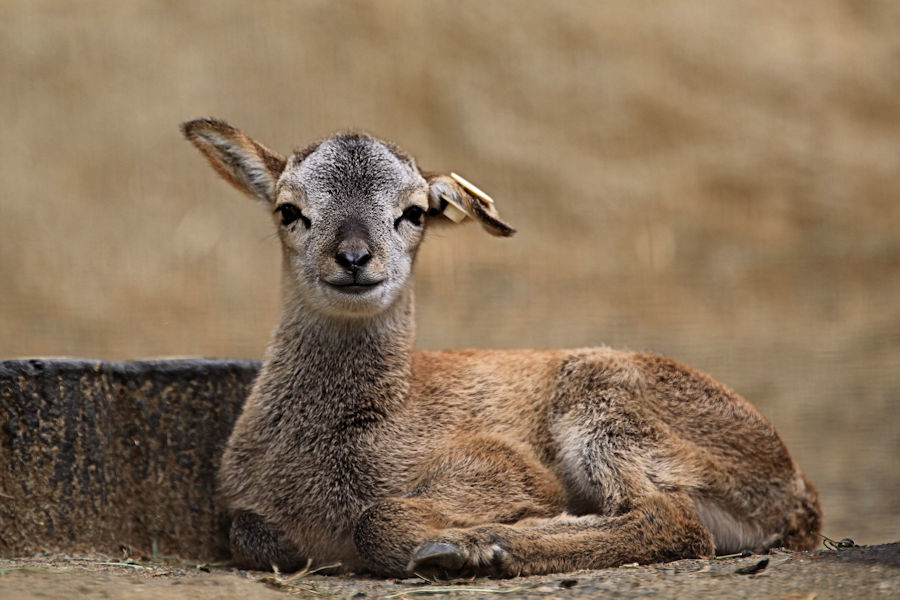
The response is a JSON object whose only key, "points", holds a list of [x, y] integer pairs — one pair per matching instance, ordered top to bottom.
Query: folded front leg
{"points": [[472, 481], [660, 527], [387, 533]]}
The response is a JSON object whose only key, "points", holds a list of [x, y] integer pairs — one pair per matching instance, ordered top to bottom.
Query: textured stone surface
{"points": [[101, 455]]}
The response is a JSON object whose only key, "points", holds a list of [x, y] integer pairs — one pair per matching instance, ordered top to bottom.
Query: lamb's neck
{"points": [[346, 371]]}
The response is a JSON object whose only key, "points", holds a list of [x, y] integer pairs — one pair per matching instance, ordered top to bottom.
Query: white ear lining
{"points": [[247, 166]]}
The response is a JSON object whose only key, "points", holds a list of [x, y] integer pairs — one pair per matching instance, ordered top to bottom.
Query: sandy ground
{"points": [[866, 572]]}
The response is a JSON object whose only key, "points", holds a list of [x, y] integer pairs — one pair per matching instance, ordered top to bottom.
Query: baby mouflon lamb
{"points": [[354, 447]]}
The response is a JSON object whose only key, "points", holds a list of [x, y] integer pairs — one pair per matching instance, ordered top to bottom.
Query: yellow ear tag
{"points": [[472, 188], [455, 211]]}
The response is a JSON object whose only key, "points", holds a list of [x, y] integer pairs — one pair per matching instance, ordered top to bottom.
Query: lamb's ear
{"points": [[239, 159], [455, 198]]}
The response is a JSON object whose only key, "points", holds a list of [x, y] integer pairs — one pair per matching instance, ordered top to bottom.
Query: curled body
{"points": [[353, 447]]}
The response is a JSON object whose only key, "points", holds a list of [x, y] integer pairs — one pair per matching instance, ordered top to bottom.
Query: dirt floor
{"points": [[858, 572]]}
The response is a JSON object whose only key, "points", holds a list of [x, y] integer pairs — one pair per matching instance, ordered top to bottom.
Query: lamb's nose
{"points": [[352, 259]]}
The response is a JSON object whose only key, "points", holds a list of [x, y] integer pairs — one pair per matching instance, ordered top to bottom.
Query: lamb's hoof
{"points": [[439, 560]]}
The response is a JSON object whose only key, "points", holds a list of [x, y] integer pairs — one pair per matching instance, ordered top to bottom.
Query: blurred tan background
{"points": [[719, 182]]}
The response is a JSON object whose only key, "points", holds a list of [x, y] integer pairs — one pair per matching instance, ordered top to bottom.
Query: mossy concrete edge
{"points": [[116, 455]]}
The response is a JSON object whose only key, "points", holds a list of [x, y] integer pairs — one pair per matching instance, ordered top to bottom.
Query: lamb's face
{"points": [[351, 213]]}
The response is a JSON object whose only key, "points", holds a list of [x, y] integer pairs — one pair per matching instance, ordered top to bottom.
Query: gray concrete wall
{"points": [[105, 455]]}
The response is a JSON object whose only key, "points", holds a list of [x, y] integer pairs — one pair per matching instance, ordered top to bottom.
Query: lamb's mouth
{"points": [[354, 287]]}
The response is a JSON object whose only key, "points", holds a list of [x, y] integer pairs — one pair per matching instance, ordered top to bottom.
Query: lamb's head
{"points": [[350, 210]]}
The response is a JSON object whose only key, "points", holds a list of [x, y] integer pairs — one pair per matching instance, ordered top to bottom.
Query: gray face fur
{"points": [[357, 196]]}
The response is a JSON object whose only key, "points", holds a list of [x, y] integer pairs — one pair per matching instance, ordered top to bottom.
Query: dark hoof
{"points": [[254, 545], [438, 561]]}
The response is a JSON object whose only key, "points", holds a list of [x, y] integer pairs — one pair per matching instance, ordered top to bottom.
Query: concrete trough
{"points": [[109, 456]]}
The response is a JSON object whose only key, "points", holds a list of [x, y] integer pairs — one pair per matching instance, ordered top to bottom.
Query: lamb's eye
{"points": [[290, 213], [413, 214]]}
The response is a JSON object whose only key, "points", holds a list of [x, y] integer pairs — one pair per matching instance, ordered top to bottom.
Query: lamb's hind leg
{"points": [[606, 445], [659, 527]]}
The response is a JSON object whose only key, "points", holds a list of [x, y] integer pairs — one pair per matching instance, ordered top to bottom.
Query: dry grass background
{"points": [[719, 182]]}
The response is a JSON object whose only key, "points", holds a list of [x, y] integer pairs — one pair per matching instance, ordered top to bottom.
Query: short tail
{"points": [[804, 524]]}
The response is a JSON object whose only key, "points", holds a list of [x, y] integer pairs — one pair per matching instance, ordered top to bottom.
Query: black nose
{"points": [[352, 259]]}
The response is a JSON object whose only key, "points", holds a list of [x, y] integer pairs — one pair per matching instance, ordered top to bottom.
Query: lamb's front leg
{"points": [[477, 480], [661, 527], [387, 533]]}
